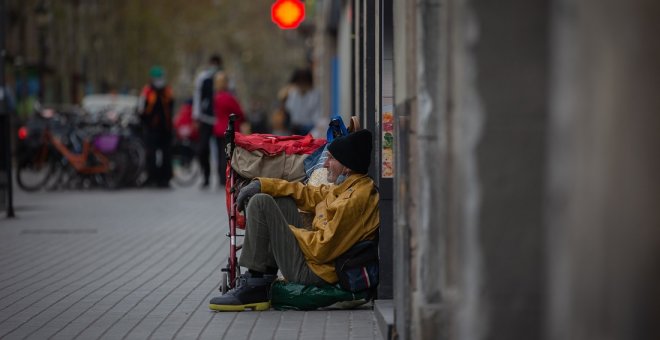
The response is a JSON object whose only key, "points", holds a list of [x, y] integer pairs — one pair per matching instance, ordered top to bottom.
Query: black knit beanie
{"points": [[353, 151]]}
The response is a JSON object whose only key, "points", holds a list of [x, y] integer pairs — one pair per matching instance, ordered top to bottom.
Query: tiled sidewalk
{"points": [[134, 264]]}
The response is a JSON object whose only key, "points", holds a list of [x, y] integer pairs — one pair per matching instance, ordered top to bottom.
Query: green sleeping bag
{"points": [[294, 296]]}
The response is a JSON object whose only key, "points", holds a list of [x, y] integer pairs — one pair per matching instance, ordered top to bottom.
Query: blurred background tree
{"points": [[93, 46]]}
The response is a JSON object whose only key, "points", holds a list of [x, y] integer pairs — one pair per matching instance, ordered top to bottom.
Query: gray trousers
{"points": [[269, 244]]}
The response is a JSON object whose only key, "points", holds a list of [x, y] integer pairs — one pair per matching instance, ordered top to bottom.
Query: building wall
{"points": [[361, 37], [473, 90], [526, 161], [526, 186], [604, 189]]}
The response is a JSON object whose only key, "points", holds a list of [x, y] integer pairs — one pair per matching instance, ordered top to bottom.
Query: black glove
{"points": [[248, 191]]}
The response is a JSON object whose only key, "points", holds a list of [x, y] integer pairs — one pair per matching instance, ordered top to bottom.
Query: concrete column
{"points": [[508, 42], [405, 75], [477, 167], [603, 216], [431, 240]]}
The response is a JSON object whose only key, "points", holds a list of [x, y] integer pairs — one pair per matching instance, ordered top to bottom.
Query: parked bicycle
{"points": [[119, 113], [57, 150], [185, 167]]}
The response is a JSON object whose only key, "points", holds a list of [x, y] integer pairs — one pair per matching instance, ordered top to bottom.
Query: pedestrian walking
{"points": [[303, 102], [224, 104], [203, 112], [280, 119], [184, 126]]}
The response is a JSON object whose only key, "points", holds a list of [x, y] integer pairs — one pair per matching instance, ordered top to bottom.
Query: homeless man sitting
{"points": [[344, 214]]}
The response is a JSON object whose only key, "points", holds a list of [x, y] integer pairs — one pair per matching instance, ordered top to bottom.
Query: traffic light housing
{"points": [[287, 14]]}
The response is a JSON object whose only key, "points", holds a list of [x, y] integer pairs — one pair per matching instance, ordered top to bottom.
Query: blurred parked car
{"points": [[118, 108]]}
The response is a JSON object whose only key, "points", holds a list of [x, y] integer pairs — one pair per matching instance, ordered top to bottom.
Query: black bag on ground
{"points": [[357, 268]]}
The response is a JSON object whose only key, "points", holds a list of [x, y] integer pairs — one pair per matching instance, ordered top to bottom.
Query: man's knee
{"points": [[258, 201], [272, 207]]}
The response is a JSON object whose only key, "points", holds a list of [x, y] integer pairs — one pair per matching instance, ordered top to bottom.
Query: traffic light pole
{"points": [[5, 115]]}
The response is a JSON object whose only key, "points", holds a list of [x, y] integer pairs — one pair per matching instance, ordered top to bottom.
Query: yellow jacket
{"points": [[343, 215]]}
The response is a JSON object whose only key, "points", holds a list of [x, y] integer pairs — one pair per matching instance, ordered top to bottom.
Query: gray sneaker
{"points": [[249, 293]]}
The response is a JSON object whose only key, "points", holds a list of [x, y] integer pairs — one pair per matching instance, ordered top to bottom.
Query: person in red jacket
{"points": [[224, 104], [184, 125]]}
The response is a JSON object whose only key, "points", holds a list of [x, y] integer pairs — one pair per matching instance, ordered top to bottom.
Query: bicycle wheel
{"points": [[136, 161], [185, 168], [33, 171], [115, 175], [57, 176]]}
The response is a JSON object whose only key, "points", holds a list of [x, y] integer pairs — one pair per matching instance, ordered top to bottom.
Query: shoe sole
{"points": [[259, 306]]}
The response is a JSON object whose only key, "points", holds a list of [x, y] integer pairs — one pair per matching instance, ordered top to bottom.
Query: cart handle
{"points": [[229, 136]]}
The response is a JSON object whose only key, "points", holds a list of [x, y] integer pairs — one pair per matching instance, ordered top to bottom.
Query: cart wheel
{"points": [[224, 286]]}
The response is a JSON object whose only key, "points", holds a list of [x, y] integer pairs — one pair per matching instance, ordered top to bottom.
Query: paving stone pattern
{"points": [[134, 264]]}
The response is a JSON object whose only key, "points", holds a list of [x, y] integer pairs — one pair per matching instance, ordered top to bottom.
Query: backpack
{"points": [[206, 97], [358, 268]]}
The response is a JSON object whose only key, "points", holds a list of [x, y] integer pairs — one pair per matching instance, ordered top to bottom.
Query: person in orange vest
{"points": [[155, 109]]}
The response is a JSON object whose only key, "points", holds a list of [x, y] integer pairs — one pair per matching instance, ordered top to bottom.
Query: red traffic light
{"points": [[287, 14], [22, 133]]}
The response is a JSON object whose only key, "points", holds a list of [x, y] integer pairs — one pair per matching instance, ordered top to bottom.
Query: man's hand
{"points": [[248, 191]]}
